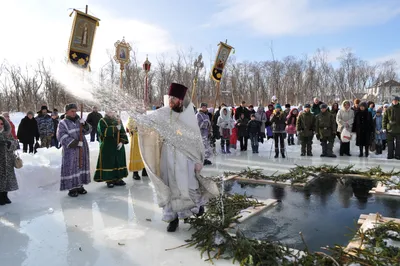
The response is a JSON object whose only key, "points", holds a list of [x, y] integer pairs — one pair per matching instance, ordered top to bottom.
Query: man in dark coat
{"points": [[316, 107], [242, 110], [93, 119], [56, 121], [241, 124], [305, 126], [391, 126], [364, 128], [326, 131], [28, 132]]}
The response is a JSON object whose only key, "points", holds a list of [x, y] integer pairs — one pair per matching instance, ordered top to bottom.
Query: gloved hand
{"points": [[82, 121], [119, 127], [384, 131], [318, 137], [80, 144], [119, 146], [198, 167]]}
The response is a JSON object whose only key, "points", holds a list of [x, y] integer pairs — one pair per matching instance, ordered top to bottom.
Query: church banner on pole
{"points": [[82, 39], [220, 61]]}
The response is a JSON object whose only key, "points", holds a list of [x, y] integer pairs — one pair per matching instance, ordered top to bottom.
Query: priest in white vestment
{"points": [[173, 154]]}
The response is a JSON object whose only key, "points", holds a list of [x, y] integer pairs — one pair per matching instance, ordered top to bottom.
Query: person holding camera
{"points": [[278, 121]]}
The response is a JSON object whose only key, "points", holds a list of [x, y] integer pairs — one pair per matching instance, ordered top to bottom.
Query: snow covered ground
{"points": [[119, 226]]}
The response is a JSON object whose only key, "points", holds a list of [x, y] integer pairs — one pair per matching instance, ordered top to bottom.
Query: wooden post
{"points": [[215, 100], [81, 139]]}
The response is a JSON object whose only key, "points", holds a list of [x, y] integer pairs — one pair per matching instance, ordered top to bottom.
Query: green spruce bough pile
{"points": [[300, 174], [214, 241]]}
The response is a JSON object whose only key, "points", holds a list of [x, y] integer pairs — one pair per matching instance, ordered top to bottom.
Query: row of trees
{"points": [[292, 79]]}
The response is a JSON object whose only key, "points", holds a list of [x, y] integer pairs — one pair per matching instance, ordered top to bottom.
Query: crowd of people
{"points": [[373, 128], [174, 170]]}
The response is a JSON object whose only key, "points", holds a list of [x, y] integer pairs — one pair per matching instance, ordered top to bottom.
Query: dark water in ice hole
{"points": [[326, 212]]}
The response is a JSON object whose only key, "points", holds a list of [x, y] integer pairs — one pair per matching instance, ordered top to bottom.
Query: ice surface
{"points": [[111, 226]]}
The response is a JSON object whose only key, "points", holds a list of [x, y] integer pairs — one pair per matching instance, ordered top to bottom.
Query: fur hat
{"points": [[177, 90], [395, 98], [203, 104], [287, 105], [307, 105], [70, 106], [324, 106], [30, 113]]}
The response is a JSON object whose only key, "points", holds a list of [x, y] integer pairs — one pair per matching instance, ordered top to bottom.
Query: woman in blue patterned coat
{"points": [[73, 177]]}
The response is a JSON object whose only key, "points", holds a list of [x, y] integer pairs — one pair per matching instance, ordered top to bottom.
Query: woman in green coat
{"points": [[111, 164]]}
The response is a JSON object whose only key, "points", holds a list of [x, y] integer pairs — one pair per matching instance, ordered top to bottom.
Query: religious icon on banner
{"points": [[82, 38], [122, 52], [220, 61]]}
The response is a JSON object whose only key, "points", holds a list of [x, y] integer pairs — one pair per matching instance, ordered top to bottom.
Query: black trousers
{"points": [[94, 136], [279, 139], [243, 143], [393, 144], [25, 147]]}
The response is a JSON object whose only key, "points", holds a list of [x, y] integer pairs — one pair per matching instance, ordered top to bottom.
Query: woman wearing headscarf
{"points": [[261, 117], [345, 119]]}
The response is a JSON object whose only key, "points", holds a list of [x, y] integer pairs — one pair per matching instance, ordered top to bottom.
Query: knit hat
{"points": [[177, 90], [395, 98], [356, 101], [364, 104], [203, 105], [287, 105], [307, 105], [386, 105], [70, 106], [278, 106], [324, 106], [44, 107], [379, 111], [30, 113]]}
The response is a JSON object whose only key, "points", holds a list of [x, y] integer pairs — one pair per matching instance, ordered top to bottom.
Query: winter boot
{"points": [[293, 141], [384, 141], [289, 142], [228, 145], [342, 147], [223, 148], [303, 149], [309, 149], [324, 149], [347, 149], [378, 149], [330, 150], [366, 151], [361, 152], [276, 153], [283, 153], [144, 172], [136, 175], [120, 183], [81, 190], [73, 193], [2, 198], [6, 199], [172, 226]]}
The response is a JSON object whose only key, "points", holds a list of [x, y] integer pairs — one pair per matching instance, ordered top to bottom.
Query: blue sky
{"points": [[296, 27]]}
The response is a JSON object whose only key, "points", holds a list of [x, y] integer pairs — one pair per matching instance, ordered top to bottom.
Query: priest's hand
{"points": [[82, 121], [119, 127], [80, 144], [119, 146], [198, 167]]}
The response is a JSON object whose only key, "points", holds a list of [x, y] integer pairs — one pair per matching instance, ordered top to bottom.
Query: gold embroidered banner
{"points": [[82, 38], [220, 61]]}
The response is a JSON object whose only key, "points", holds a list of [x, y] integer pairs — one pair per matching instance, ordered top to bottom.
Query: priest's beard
{"points": [[178, 107]]}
